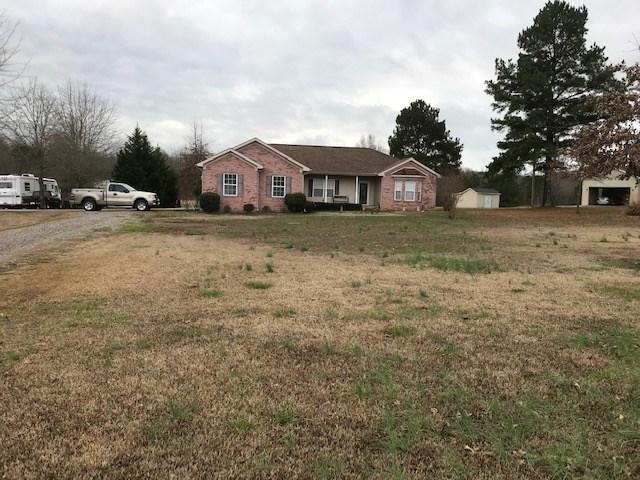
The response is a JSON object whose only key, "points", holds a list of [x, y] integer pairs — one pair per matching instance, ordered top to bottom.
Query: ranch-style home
{"points": [[262, 174]]}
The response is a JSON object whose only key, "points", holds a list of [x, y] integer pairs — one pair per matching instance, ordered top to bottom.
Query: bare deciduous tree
{"points": [[10, 69], [85, 119], [29, 121], [86, 133], [369, 141], [195, 151]]}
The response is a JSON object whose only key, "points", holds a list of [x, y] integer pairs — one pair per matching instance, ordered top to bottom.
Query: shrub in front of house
{"points": [[210, 202], [295, 202], [248, 207], [226, 209], [266, 209]]}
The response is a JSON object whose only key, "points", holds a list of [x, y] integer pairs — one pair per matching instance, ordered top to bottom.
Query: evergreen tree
{"points": [[541, 96], [419, 133], [146, 168]]}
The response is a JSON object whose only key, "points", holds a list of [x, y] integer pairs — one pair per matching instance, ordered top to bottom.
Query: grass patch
{"points": [[136, 227], [446, 264], [258, 285], [624, 291], [211, 293], [284, 312], [92, 313], [399, 330], [185, 333], [622, 343], [288, 344], [328, 348], [450, 350], [109, 352], [10, 358], [286, 415], [176, 418], [242, 426], [401, 430], [263, 464], [328, 467]]}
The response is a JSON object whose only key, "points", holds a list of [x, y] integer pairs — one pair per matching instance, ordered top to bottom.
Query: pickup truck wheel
{"points": [[89, 204], [141, 205]]}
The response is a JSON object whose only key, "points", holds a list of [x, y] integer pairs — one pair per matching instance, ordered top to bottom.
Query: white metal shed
{"points": [[478, 197]]}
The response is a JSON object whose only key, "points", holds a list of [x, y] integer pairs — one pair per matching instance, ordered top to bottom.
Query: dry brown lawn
{"points": [[11, 219], [322, 346]]}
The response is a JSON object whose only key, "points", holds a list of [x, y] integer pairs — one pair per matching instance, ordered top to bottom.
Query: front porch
{"points": [[343, 189]]}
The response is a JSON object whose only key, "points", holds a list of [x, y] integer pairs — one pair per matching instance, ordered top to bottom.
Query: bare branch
{"points": [[10, 69], [85, 119]]}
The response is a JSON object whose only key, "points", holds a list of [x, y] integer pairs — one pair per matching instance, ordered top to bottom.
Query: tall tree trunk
{"points": [[545, 182], [533, 185], [578, 196], [43, 200]]}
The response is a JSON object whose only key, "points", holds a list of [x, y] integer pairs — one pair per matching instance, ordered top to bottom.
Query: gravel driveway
{"points": [[21, 240]]}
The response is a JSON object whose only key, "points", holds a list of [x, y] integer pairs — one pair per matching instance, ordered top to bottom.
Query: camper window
{"points": [[5, 185], [27, 187]]}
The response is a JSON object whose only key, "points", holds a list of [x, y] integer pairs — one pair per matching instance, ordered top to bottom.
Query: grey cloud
{"points": [[306, 72]]}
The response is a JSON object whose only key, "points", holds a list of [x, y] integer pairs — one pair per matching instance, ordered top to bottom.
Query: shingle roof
{"points": [[338, 160]]}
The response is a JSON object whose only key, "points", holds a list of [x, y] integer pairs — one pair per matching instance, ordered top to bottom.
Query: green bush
{"points": [[210, 202], [295, 202], [248, 207]]}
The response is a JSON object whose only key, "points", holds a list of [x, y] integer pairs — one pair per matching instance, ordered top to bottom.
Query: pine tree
{"points": [[541, 96], [419, 133], [146, 168]]}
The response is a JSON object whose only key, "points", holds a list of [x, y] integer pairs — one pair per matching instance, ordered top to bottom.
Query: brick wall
{"points": [[232, 164], [273, 164], [428, 199]]}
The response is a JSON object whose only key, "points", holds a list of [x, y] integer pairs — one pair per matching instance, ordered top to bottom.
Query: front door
{"points": [[363, 193], [487, 201]]}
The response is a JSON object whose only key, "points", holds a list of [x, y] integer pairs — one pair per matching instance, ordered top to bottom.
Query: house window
{"points": [[230, 186], [318, 187], [278, 188], [409, 191], [397, 192]]}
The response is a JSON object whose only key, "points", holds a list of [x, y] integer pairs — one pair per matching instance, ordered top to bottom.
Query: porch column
{"points": [[326, 183], [357, 190]]}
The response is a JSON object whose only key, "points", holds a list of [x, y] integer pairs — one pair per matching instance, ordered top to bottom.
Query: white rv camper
{"points": [[24, 191]]}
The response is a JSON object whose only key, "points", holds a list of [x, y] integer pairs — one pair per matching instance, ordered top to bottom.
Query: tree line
{"points": [[564, 110], [70, 133]]}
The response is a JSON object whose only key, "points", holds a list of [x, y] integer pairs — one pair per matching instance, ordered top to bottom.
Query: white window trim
{"points": [[225, 184], [415, 185], [274, 186], [331, 187], [396, 197]]}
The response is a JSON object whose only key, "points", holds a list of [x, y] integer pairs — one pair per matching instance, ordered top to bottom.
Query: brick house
{"points": [[262, 174]]}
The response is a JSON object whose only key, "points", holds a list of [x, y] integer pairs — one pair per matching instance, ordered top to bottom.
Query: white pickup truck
{"points": [[112, 194]]}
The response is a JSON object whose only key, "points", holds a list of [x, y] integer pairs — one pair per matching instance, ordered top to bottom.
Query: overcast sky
{"points": [[292, 71]]}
